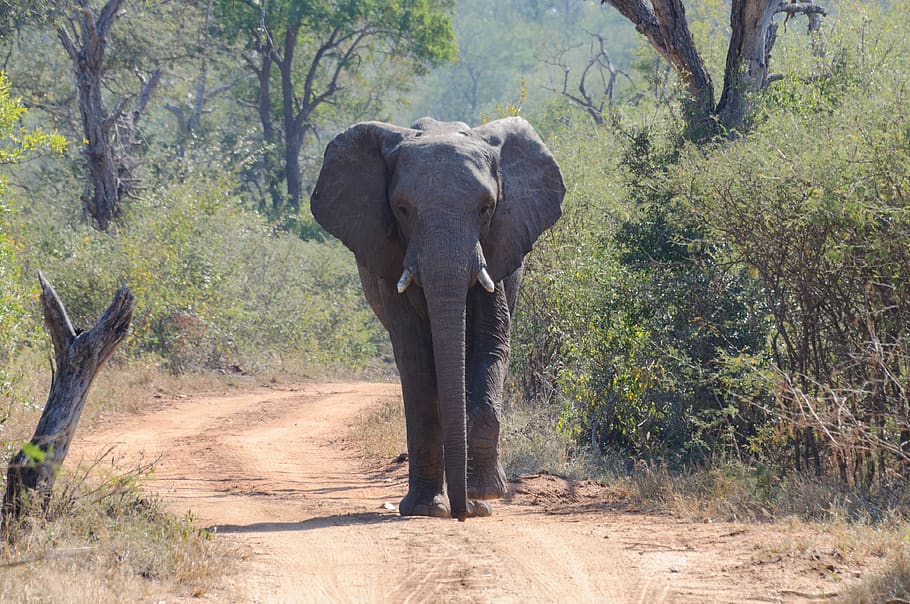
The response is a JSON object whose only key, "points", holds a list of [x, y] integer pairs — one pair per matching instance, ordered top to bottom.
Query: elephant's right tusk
{"points": [[407, 277], [484, 277]]}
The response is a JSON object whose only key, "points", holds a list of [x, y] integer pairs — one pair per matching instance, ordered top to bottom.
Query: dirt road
{"points": [[274, 473]]}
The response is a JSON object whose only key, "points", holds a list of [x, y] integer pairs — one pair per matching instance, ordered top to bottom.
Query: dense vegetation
{"points": [[229, 272], [742, 300], [701, 301]]}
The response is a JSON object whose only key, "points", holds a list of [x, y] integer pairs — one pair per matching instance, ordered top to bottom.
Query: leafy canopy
{"points": [[420, 29], [17, 142]]}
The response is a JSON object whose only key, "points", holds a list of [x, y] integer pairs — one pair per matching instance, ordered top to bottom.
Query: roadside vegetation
{"points": [[741, 301], [719, 324], [104, 540]]}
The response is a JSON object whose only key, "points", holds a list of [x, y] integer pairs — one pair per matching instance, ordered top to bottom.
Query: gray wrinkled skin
{"points": [[440, 217]]}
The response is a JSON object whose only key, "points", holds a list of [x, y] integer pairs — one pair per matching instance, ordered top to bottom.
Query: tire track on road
{"points": [[266, 470]]}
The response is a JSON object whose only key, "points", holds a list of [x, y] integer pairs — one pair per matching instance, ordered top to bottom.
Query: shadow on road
{"points": [[312, 524]]}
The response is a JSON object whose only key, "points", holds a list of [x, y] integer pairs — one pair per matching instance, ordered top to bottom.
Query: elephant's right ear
{"points": [[350, 199]]}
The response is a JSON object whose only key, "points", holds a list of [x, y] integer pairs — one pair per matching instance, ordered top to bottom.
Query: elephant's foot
{"points": [[486, 480], [416, 503], [423, 503], [479, 509]]}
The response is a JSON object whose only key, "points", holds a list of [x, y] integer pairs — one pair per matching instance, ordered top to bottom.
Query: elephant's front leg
{"points": [[413, 347], [488, 360]]}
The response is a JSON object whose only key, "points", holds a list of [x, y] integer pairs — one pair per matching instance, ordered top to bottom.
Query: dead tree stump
{"points": [[77, 357]]}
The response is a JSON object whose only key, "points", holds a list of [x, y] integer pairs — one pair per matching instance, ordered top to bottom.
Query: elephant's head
{"points": [[442, 206]]}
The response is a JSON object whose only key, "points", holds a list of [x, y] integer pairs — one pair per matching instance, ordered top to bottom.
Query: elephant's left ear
{"points": [[532, 192]]}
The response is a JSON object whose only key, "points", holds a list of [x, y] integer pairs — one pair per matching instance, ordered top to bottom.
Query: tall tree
{"points": [[753, 33], [317, 52], [189, 112], [109, 133]]}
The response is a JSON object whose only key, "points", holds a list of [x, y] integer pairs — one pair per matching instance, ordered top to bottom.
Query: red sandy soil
{"points": [[276, 475]]}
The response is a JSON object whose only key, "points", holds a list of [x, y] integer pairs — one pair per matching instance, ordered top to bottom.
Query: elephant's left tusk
{"points": [[407, 277], [484, 277]]}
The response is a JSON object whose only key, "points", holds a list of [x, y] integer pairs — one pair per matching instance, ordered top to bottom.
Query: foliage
{"points": [[16, 14], [422, 26], [504, 46], [325, 58], [18, 143], [825, 228], [215, 286], [742, 301], [631, 338], [889, 584]]}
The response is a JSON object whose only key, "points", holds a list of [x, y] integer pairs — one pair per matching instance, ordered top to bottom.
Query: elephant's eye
{"points": [[402, 211], [486, 211]]}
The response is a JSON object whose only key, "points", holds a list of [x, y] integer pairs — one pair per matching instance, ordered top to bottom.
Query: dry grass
{"points": [[382, 431], [531, 443], [527, 446], [731, 490], [104, 541], [891, 584]]}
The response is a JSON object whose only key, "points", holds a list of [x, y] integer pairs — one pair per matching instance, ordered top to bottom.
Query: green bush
{"points": [[816, 205], [825, 228], [216, 286], [747, 300], [626, 319], [18, 326]]}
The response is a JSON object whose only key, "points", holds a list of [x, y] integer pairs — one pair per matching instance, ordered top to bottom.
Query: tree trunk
{"points": [[663, 22], [87, 54], [747, 59], [264, 100], [189, 115], [194, 122], [293, 131], [293, 143], [109, 167], [271, 174], [78, 357]]}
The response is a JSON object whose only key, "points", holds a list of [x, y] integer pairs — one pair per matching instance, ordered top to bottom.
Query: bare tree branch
{"points": [[664, 24], [599, 65], [148, 84], [58, 322]]}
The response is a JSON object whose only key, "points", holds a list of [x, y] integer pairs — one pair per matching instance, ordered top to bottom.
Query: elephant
{"points": [[440, 217]]}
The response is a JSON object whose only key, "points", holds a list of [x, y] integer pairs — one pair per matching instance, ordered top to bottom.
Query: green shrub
{"points": [[816, 205], [216, 286], [746, 300], [626, 319], [18, 326]]}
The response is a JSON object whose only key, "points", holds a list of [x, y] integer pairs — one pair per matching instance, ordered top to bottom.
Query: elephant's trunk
{"points": [[445, 277], [447, 323]]}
